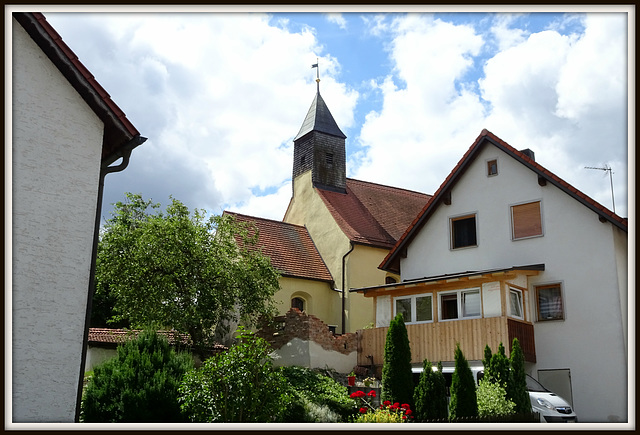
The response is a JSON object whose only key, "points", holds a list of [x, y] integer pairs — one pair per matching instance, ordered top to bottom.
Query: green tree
{"points": [[182, 270], [486, 361], [499, 368], [397, 378], [139, 385], [239, 385], [463, 389], [517, 389], [430, 396], [492, 399]]}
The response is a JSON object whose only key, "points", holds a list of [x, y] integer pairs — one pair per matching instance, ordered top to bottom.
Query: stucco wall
{"points": [[56, 147], [577, 250], [320, 299]]}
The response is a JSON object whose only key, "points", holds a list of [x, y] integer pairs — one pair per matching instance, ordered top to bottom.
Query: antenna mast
{"points": [[607, 168]]}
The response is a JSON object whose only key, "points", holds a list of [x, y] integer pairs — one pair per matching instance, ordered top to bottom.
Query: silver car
{"points": [[552, 408]]}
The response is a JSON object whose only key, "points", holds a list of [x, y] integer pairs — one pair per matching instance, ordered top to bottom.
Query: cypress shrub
{"points": [[487, 358], [498, 367], [397, 379], [139, 385], [463, 389], [517, 389], [430, 396]]}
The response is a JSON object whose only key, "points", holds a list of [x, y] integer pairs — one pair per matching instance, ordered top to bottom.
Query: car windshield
{"points": [[533, 385]]}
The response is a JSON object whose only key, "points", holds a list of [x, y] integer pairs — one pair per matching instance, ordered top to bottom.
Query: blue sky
{"points": [[221, 96]]}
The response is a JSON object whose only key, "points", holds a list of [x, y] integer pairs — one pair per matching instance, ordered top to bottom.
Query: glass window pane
{"points": [[464, 232], [515, 299], [471, 303], [550, 303], [403, 306], [449, 306], [423, 309]]}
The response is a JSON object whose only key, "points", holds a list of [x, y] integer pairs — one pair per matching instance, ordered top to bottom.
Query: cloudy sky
{"points": [[221, 96]]}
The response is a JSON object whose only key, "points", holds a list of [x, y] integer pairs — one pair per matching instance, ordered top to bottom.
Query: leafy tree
{"points": [[183, 271], [486, 361], [397, 378], [139, 385], [239, 385], [463, 389], [517, 389], [430, 396], [492, 399]]}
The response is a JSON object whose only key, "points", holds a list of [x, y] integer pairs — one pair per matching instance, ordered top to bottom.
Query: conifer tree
{"points": [[487, 358], [498, 367], [397, 379], [463, 389], [517, 389], [430, 396]]}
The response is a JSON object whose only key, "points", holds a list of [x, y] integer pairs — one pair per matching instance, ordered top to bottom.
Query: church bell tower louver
{"points": [[319, 147]]}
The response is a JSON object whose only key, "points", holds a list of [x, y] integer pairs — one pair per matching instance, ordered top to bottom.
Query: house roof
{"points": [[319, 119], [120, 135], [373, 214], [290, 248], [392, 260], [532, 269], [113, 337]]}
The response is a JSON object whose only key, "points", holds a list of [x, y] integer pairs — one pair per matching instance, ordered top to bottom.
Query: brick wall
{"points": [[296, 324]]}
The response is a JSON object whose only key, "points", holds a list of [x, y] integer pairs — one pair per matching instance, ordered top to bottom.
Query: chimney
{"points": [[527, 152]]}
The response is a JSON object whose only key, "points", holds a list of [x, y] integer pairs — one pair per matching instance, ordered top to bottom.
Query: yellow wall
{"points": [[307, 208], [320, 300]]}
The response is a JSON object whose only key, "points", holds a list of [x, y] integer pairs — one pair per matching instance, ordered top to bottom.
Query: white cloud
{"points": [[337, 19], [505, 35]]}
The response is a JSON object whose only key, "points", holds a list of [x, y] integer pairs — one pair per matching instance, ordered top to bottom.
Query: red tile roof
{"points": [[119, 131], [373, 214], [290, 248], [391, 262], [107, 336]]}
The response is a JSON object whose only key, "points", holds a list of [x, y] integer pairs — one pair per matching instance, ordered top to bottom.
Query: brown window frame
{"points": [[493, 163], [526, 221], [453, 231], [561, 302]]}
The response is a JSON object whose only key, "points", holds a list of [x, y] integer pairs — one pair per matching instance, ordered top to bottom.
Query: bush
{"points": [[499, 367], [397, 379], [139, 385], [239, 385], [463, 389], [517, 390], [430, 396], [315, 397], [492, 400], [388, 413]]}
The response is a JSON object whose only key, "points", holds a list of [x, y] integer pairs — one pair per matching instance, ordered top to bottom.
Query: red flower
{"points": [[371, 393], [357, 394], [386, 403], [397, 405], [405, 406], [363, 410], [408, 412], [404, 417]]}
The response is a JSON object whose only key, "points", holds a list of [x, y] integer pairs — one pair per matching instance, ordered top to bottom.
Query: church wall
{"points": [[320, 299]]}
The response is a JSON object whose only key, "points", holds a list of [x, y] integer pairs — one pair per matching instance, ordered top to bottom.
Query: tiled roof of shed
{"points": [[119, 131], [373, 214], [290, 248], [391, 262]]}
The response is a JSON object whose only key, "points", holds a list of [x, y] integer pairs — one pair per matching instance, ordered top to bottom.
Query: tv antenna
{"points": [[607, 168]]}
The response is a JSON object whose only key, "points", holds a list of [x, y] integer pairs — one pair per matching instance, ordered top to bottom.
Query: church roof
{"points": [[319, 119], [374, 214], [290, 248]]}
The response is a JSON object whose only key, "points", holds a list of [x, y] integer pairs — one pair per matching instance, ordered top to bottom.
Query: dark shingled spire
{"points": [[319, 119]]}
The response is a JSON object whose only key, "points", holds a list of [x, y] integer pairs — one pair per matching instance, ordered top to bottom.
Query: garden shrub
{"points": [[499, 367], [397, 378], [139, 385], [239, 385], [463, 389], [517, 390], [430, 396], [315, 397], [492, 400], [387, 413]]}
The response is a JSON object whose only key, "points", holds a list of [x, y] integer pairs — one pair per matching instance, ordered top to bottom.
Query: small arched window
{"points": [[297, 303]]}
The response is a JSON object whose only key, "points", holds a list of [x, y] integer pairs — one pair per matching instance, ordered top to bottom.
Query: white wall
{"points": [[56, 148], [577, 250], [310, 354]]}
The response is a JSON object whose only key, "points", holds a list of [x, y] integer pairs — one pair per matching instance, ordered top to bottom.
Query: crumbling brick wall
{"points": [[296, 324]]}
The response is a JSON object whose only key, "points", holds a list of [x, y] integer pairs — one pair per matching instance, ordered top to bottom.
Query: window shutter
{"points": [[527, 221]]}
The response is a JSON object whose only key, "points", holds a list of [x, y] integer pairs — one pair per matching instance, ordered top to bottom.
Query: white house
{"points": [[67, 134], [507, 249]]}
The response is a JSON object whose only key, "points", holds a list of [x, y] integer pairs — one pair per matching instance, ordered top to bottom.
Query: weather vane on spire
{"points": [[315, 65]]}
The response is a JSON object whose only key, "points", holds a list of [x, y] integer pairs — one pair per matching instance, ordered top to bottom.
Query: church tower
{"points": [[319, 147]]}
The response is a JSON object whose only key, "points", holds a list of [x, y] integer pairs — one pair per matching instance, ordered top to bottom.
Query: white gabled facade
{"points": [[583, 355]]}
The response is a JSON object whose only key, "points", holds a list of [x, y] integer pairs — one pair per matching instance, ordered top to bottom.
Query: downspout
{"points": [[125, 154], [344, 258]]}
